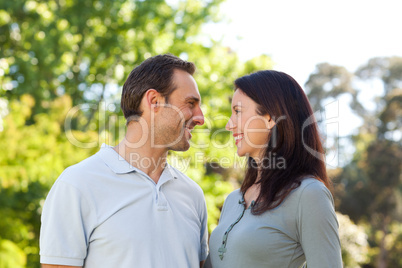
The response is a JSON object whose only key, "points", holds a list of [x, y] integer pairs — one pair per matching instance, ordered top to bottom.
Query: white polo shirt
{"points": [[102, 212]]}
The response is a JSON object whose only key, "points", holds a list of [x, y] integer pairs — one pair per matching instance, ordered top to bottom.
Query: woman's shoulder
{"points": [[311, 183], [312, 188], [234, 196]]}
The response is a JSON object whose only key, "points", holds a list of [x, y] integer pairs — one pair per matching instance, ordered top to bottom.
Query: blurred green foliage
{"points": [[62, 65], [32, 156], [369, 187], [354, 242]]}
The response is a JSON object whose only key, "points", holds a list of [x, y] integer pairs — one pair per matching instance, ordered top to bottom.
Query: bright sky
{"points": [[300, 34]]}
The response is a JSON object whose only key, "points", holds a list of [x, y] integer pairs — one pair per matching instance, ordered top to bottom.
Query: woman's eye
{"points": [[236, 111]]}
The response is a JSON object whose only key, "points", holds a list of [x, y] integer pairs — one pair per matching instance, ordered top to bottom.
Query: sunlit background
{"points": [[298, 35], [63, 64]]}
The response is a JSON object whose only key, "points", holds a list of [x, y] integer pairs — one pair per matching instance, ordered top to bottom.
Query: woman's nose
{"points": [[229, 125]]}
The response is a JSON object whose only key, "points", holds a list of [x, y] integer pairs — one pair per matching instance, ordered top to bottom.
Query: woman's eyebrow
{"points": [[236, 106]]}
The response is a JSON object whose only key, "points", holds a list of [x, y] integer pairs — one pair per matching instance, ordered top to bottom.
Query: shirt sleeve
{"points": [[67, 222], [318, 227], [204, 232]]}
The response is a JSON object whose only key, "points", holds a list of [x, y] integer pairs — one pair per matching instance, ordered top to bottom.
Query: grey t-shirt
{"points": [[303, 228]]}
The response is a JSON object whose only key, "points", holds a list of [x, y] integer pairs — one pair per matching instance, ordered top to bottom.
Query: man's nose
{"points": [[198, 117]]}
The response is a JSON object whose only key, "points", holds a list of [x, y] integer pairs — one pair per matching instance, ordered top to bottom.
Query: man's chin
{"points": [[183, 146]]}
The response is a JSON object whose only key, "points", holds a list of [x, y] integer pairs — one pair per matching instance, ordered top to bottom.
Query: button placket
{"points": [[161, 201], [222, 250]]}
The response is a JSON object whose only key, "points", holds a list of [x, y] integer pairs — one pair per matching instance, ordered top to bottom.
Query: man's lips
{"points": [[189, 129]]}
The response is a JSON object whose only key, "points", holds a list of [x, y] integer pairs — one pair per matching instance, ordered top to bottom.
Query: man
{"points": [[125, 206]]}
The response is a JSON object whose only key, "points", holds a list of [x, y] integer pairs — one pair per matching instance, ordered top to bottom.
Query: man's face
{"points": [[176, 119]]}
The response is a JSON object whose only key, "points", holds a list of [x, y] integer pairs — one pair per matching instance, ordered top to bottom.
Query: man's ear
{"points": [[152, 99]]}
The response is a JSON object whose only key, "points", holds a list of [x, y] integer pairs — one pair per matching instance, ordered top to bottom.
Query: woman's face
{"points": [[250, 130]]}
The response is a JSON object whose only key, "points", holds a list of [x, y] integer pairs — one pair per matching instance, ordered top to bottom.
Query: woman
{"points": [[283, 214]]}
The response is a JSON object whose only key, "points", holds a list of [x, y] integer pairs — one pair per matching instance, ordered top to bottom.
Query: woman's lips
{"points": [[238, 137]]}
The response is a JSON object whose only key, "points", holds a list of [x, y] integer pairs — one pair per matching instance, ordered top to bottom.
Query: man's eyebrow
{"points": [[192, 98]]}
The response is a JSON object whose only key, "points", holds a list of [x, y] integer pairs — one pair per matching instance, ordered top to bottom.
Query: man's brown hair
{"points": [[156, 73]]}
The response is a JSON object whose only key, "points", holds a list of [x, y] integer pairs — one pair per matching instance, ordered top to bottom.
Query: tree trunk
{"points": [[382, 257]]}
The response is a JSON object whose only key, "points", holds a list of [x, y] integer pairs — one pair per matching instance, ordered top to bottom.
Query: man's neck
{"points": [[151, 161]]}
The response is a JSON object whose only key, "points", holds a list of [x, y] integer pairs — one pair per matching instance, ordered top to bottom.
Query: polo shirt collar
{"points": [[115, 161], [120, 166], [167, 175]]}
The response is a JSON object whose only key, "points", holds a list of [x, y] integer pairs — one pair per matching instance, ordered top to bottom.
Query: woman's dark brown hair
{"points": [[298, 144]]}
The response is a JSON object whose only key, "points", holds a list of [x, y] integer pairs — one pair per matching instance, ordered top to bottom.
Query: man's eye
{"points": [[192, 104], [236, 111]]}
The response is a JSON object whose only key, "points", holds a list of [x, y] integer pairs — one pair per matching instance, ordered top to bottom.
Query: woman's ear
{"points": [[269, 121], [274, 121]]}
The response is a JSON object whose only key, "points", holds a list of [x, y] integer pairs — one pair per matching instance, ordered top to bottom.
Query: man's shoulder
{"points": [[83, 169], [186, 180]]}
